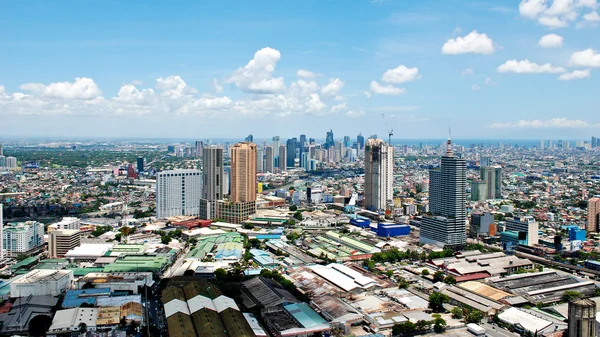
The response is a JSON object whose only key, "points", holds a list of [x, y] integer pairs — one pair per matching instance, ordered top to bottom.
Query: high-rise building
{"points": [[250, 138], [303, 140], [329, 140], [346, 141], [360, 142], [276, 143], [199, 146], [541, 146], [1, 150], [291, 152], [282, 158], [269, 159], [2, 161], [260, 161], [11, 162], [485, 162], [140, 164], [131, 172], [243, 172], [379, 174], [213, 175], [492, 175], [479, 190], [178, 192], [447, 203], [593, 218], [482, 224], [526, 224], [1, 232], [22, 238], [60, 242], [582, 318]]}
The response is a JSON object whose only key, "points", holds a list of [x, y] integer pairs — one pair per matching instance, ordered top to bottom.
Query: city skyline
{"points": [[169, 69]]}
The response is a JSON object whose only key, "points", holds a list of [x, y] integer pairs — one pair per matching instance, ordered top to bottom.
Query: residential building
{"points": [[292, 144], [282, 158], [269, 159], [260, 161], [11, 162], [140, 164], [243, 172], [379, 174], [492, 175], [212, 180], [479, 190], [178, 192], [593, 209], [65, 223], [525, 224], [446, 226], [22, 238], [61, 241], [42, 282], [582, 318]]}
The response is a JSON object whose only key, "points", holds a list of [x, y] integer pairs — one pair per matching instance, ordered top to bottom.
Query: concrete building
{"points": [[282, 158], [269, 159], [260, 161], [11, 162], [243, 172], [379, 174], [492, 175], [212, 180], [479, 189], [178, 192], [447, 201], [234, 212], [593, 215], [65, 223], [482, 224], [525, 224], [22, 238], [61, 241], [117, 281], [42, 282], [582, 318], [68, 320]]}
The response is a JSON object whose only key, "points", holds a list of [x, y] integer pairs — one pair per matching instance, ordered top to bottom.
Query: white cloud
{"points": [[555, 13], [593, 17], [551, 41], [472, 43], [585, 58], [527, 67], [467, 72], [306, 74], [400, 74], [257, 75], [575, 75], [489, 81], [137, 82], [216, 86], [475, 87], [82, 88], [332, 88], [385, 89], [2, 90], [367, 94], [339, 108], [355, 113], [554, 123]]}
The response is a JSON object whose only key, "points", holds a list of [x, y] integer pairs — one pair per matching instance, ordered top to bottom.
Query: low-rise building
{"points": [[60, 242], [42, 282], [69, 320]]}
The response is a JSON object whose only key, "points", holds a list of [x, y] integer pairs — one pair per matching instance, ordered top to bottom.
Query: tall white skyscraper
{"points": [[379, 174], [178, 192], [447, 203]]}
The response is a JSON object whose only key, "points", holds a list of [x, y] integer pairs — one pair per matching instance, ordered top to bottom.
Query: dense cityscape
{"points": [[341, 236]]}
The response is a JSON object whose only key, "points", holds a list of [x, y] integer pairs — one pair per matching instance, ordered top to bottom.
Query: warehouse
{"points": [[360, 222], [392, 230], [475, 262], [344, 277], [117, 281], [42, 282], [68, 320]]}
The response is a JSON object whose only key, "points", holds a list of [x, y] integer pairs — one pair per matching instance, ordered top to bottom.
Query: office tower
{"points": [[249, 139], [303, 140], [329, 140], [311, 141], [346, 141], [360, 142], [276, 143], [550, 144], [541, 145], [199, 146], [338, 148], [1, 150], [291, 152], [282, 158], [269, 159], [2, 161], [260, 161], [305, 161], [485, 161], [11, 162], [140, 164], [243, 172], [379, 174], [492, 175], [226, 179], [212, 180], [479, 190], [498, 191], [178, 192], [447, 198], [593, 215], [482, 224], [526, 224], [22, 238], [62, 241], [582, 318]]}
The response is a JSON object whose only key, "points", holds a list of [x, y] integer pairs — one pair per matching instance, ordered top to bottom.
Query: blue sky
{"points": [[199, 69]]}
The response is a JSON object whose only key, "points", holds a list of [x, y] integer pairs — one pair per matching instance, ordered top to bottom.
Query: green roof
{"points": [[25, 262], [131, 263], [85, 271]]}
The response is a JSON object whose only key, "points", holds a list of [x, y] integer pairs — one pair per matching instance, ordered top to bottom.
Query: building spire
{"points": [[449, 144]]}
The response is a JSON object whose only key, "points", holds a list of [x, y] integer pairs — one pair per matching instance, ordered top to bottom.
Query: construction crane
{"points": [[390, 131]]}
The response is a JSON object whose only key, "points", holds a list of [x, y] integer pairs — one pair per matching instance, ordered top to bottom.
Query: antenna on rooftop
{"points": [[390, 131]]}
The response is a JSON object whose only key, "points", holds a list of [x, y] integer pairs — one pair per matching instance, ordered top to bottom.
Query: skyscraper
{"points": [[250, 138], [302, 140], [329, 140], [346, 141], [360, 142], [276, 143], [199, 147], [1, 150], [291, 152], [282, 158], [269, 159], [260, 161], [11, 162], [140, 164], [243, 172], [212, 173], [379, 174], [492, 175], [178, 192], [447, 200], [593, 215], [582, 318]]}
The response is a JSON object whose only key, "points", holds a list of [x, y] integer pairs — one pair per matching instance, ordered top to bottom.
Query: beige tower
{"points": [[243, 172], [593, 213], [582, 318]]}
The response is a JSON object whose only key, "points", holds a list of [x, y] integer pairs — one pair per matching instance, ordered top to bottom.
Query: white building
{"points": [[11, 162], [379, 174], [178, 192], [65, 223], [525, 224], [23, 237], [62, 241], [42, 282], [70, 319]]}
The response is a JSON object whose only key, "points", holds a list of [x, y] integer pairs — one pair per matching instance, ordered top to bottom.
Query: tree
{"points": [[293, 208], [298, 215], [125, 230], [118, 237], [165, 239], [21, 257], [189, 272], [425, 272], [220, 274], [438, 276], [450, 279], [402, 283], [570, 295], [436, 301], [457, 313], [474, 316], [39, 325], [439, 325], [82, 327], [407, 328]]}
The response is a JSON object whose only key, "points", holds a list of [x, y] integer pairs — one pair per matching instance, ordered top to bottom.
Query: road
{"points": [[169, 272], [496, 331]]}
